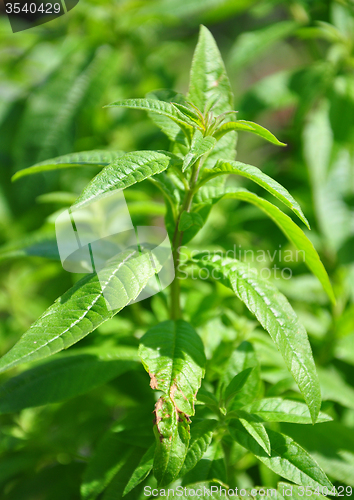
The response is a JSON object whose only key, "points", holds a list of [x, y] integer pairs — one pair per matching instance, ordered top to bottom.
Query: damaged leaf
{"points": [[173, 355], [172, 437]]}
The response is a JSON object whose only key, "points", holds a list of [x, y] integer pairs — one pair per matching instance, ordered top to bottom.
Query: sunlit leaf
{"points": [[208, 79], [160, 108], [246, 126], [199, 147], [84, 159], [126, 171], [256, 175], [83, 308], [276, 316], [283, 410], [258, 432]]}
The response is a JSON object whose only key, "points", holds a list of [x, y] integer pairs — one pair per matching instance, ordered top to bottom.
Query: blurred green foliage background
{"points": [[291, 67]]}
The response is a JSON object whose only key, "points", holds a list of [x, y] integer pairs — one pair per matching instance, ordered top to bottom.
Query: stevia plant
{"points": [[201, 433]]}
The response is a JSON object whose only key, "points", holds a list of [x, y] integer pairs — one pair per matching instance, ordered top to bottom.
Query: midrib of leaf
{"points": [[208, 78], [174, 351]]}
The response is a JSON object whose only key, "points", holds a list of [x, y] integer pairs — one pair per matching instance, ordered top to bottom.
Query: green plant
{"points": [[231, 415]]}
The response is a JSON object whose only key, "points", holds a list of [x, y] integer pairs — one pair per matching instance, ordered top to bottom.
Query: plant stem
{"points": [[175, 311]]}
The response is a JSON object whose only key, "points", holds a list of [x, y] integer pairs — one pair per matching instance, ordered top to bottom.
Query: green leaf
{"points": [[212, 10], [251, 45], [208, 76], [208, 79], [54, 105], [160, 108], [191, 113], [167, 125], [246, 126], [200, 146], [86, 158], [330, 170], [126, 171], [256, 175], [170, 191], [57, 197], [200, 216], [189, 219], [289, 228], [41, 243], [83, 308], [275, 314], [173, 355], [242, 360], [66, 377], [237, 383], [335, 388], [207, 398], [283, 410], [258, 432], [201, 436], [172, 437], [331, 444], [117, 454], [287, 458], [106, 463], [14, 464], [210, 467], [142, 471], [115, 488]]}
